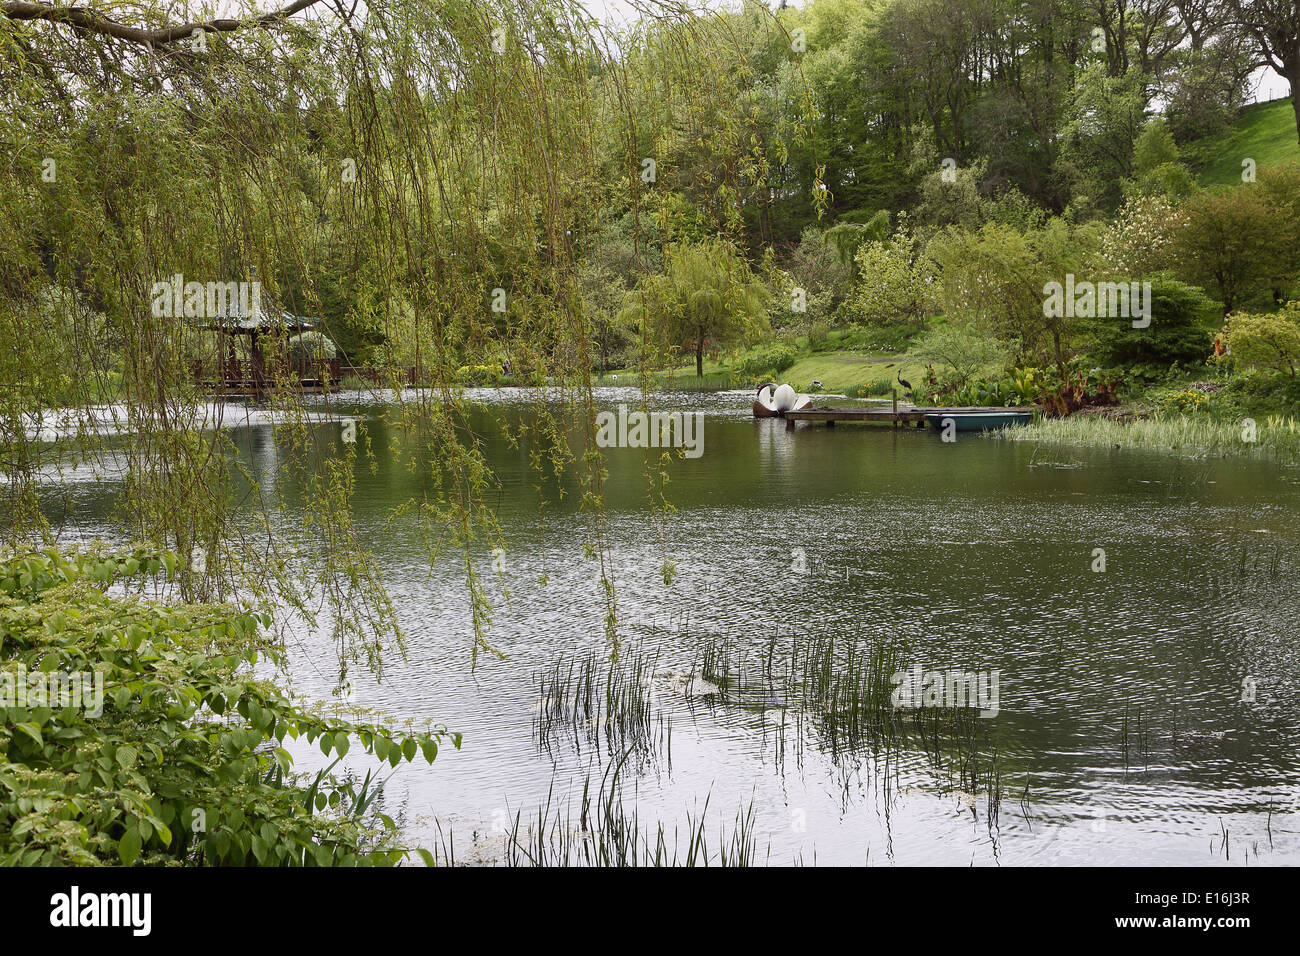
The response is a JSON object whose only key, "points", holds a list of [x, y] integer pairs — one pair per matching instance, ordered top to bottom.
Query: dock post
{"points": [[894, 392]]}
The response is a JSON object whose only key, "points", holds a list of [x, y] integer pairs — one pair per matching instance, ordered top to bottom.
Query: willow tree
{"points": [[432, 172], [707, 295]]}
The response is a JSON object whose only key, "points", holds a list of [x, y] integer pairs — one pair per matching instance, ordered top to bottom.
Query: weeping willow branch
{"points": [[85, 19], [401, 172]]}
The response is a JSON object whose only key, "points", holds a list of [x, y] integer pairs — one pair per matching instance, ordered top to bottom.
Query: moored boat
{"points": [[967, 420]]}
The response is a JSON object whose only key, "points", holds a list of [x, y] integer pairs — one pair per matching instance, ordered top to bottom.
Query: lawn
{"points": [[1264, 132]]}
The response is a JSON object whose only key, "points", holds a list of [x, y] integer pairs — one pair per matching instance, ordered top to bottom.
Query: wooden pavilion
{"points": [[260, 372]]}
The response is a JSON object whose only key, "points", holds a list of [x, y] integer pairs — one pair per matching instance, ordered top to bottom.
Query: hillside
{"points": [[1265, 132]]}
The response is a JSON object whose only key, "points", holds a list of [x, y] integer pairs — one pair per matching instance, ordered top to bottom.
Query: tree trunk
{"points": [[1295, 102], [699, 356]]}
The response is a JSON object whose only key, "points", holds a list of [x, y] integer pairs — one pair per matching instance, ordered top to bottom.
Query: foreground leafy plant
{"points": [[182, 759]]}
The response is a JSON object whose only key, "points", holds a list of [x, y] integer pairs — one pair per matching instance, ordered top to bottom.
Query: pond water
{"points": [[1147, 713]]}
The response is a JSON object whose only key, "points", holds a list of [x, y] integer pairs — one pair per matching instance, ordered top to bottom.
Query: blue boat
{"points": [[978, 420]]}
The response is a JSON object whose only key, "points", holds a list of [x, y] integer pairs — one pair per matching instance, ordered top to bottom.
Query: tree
{"points": [[1274, 25], [1107, 114], [399, 166], [1142, 238], [1229, 240], [893, 281], [994, 282], [602, 294], [708, 294], [1178, 333], [964, 350]]}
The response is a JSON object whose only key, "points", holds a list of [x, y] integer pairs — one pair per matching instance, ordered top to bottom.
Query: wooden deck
{"points": [[905, 414]]}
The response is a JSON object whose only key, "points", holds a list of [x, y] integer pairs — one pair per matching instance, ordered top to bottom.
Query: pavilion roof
{"points": [[268, 318]]}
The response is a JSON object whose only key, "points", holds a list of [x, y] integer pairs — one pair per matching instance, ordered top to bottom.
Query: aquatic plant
{"points": [[1200, 436], [597, 697], [604, 833]]}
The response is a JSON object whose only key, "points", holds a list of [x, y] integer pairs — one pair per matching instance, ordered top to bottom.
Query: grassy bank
{"points": [[1264, 132], [845, 362], [1275, 436]]}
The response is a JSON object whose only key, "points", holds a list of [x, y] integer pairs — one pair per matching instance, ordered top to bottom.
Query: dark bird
{"points": [[904, 382]]}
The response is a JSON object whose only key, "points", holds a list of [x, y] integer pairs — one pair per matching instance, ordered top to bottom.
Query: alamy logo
{"points": [[175, 298], [1102, 300], [683, 430], [919, 688], [80, 689], [73, 909]]}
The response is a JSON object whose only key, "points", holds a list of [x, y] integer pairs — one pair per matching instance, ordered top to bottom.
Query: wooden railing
{"points": [[305, 373]]}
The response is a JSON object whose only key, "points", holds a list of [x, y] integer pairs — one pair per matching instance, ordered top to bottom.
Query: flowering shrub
{"points": [[180, 757]]}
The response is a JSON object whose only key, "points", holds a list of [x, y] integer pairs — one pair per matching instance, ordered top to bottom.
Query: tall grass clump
{"points": [[1274, 437], [591, 698], [604, 833]]}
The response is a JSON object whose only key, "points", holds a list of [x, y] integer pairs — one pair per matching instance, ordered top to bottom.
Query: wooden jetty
{"points": [[894, 414]]}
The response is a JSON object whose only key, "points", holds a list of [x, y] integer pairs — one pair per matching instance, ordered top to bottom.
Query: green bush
{"points": [[1179, 332], [890, 339], [311, 346], [772, 361], [483, 375], [1263, 393], [179, 757]]}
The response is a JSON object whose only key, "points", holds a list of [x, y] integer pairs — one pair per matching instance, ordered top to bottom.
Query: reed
{"points": [[1191, 436], [593, 698], [605, 833]]}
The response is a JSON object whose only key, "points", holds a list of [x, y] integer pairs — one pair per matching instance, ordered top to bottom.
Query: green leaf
{"points": [[31, 730], [126, 756], [283, 758], [128, 848]]}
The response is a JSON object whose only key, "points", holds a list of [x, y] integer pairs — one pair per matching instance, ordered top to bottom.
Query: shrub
{"points": [[1178, 333], [819, 336], [1270, 341], [313, 346], [963, 350], [772, 360], [479, 374], [180, 757]]}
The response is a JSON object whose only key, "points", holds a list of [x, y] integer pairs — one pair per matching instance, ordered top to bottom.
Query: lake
{"points": [[1147, 713]]}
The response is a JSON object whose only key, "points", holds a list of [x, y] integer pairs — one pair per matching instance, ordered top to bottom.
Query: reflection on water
{"points": [[1147, 712]]}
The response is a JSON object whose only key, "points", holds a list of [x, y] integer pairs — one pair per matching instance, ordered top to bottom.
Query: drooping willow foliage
{"points": [[417, 161]]}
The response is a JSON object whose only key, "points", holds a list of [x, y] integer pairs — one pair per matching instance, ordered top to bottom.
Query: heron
{"points": [[904, 382]]}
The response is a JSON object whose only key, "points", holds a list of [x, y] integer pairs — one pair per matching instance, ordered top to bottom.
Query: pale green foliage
{"points": [[1106, 114], [1154, 147], [428, 184], [845, 237], [1235, 239], [893, 280], [993, 281], [708, 296], [1268, 341], [312, 345], [963, 350]]}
